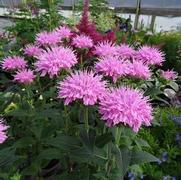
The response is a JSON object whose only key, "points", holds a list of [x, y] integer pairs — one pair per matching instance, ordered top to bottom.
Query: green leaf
{"points": [[174, 85], [88, 139], [103, 139], [24, 142], [63, 142], [142, 143], [50, 154], [139, 157], [123, 159]]}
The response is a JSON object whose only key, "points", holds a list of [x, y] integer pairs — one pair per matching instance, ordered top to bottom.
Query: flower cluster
{"points": [[63, 32], [48, 38], [82, 42], [105, 49], [32, 50], [125, 51], [150, 55], [53, 60], [14, 63], [112, 67], [169, 74], [24, 77], [82, 85], [127, 106]]}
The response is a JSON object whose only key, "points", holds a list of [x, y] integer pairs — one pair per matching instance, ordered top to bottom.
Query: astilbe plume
{"points": [[87, 27], [63, 32], [48, 38], [82, 41], [105, 49], [32, 50], [125, 51], [150, 55], [53, 60], [13, 63], [112, 67], [138, 69], [169, 74], [24, 77], [82, 85], [126, 106], [3, 128]]}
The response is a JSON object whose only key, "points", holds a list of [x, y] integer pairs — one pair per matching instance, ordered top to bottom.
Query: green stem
{"points": [[86, 118], [66, 119], [117, 136]]}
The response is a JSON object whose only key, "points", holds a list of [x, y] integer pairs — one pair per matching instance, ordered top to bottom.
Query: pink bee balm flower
{"points": [[63, 32], [48, 38], [82, 41], [105, 49], [32, 50], [125, 51], [150, 55], [53, 60], [13, 63], [112, 67], [138, 69], [169, 74], [24, 77], [82, 85], [126, 105], [3, 128]]}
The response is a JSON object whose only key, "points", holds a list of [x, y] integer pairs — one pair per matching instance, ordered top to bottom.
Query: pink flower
{"points": [[63, 32], [48, 38], [82, 41], [105, 49], [32, 50], [125, 51], [150, 55], [53, 60], [13, 63], [112, 67], [138, 69], [169, 74], [24, 77], [82, 85], [126, 105], [3, 128]]}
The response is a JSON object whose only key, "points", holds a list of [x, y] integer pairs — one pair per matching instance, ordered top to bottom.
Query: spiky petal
{"points": [[53, 60], [13, 63], [82, 85], [126, 106]]}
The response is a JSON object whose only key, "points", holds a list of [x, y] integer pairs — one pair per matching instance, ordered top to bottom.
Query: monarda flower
{"points": [[63, 32], [48, 38], [82, 42], [105, 49], [32, 50], [125, 51], [150, 55], [53, 60], [13, 63], [112, 67], [139, 70], [169, 74], [24, 77], [82, 85], [126, 106], [3, 129]]}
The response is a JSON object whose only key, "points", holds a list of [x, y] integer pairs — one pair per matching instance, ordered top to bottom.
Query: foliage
{"points": [[164, 142]]}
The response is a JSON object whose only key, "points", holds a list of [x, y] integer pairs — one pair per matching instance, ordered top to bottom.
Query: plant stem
{"points": [[86, 118], [66, 119], [117, 136]]}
